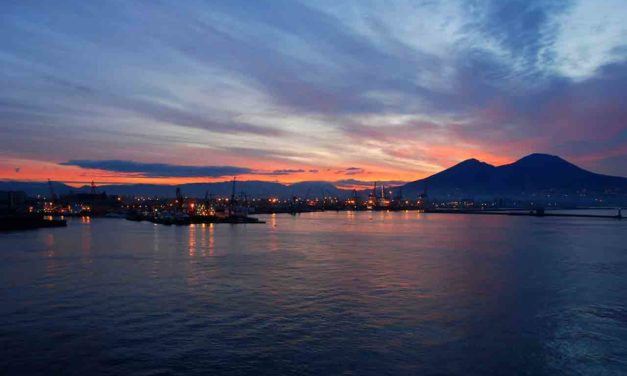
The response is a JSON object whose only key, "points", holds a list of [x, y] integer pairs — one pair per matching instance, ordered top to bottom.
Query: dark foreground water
{"points": [[318, 294]]}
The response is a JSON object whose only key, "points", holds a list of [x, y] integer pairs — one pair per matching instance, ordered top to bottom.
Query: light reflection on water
{"points": [[319, 293]]}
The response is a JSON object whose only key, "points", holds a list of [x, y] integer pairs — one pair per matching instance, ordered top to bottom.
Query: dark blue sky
{"points": [[307, 90]]}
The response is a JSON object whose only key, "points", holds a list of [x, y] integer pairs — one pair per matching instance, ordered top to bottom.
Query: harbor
{"points": [[19, 211], [184, 211]]}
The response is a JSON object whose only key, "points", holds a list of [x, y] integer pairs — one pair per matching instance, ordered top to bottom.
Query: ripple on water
{"points": [[318, 294], [589, 339]]}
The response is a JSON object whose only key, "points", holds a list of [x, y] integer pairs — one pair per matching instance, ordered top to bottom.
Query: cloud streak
{"points": [[159, 169], [165, 170], [367, 184]]}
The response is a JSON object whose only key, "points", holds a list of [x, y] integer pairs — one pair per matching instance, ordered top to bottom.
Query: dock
{"points": [[29, 222]]}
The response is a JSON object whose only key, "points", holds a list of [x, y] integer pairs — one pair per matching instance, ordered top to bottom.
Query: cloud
{"points": [[159, 169], [169, 170], [351, 171], [281, 172], [367, 184]]}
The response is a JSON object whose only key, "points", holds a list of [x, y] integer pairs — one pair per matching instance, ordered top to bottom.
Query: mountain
{"points": [[535, 173], [469, 175]]}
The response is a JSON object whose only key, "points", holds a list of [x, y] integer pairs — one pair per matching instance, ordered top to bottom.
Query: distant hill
{"points": [[534, 173], [35, 188], [250, 188]]}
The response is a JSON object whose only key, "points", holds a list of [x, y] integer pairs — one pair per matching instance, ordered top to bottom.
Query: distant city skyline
{"points": [[287, 91]]}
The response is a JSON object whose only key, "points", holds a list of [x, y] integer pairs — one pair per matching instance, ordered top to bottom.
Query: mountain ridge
{"points": [[530, 174], [252, 188]]}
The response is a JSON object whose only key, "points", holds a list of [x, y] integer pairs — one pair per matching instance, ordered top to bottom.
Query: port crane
{"points": [[307, 194], [53, 196], [423, 197], [179, 198], [208, 202], [232, 202], [297, 204]]}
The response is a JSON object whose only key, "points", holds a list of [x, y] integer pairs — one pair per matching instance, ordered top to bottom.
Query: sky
{"points": [[346, 91]]}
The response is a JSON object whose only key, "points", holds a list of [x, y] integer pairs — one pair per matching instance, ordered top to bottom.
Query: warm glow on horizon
{"points": [[36, 171]]}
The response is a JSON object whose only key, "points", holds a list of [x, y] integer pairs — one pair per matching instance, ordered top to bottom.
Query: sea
{"points": [[329, 293]]}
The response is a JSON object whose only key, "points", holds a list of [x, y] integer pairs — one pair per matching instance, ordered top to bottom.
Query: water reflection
{"points": [[273, 220], [86, 236], [155, 237], [273, 238], [203, 239], [211, 239], [192, 240], [49, 242], [52, 264]]}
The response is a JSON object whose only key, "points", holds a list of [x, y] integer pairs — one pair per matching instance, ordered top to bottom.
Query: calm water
{"points": [[322, 293]]}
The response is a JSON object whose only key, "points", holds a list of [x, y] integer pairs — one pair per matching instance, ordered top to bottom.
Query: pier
{"points": [[526, 213]]}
